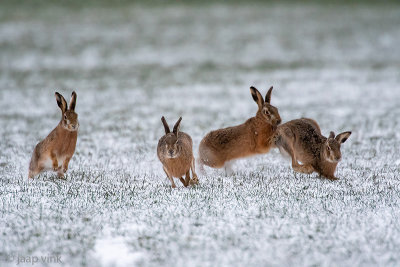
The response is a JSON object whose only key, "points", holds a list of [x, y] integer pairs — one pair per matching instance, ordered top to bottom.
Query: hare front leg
{"points": [[54, 161], [65, 164], [64, 168], [170, 178], [187, 179], [194, 179], [185, 182]]}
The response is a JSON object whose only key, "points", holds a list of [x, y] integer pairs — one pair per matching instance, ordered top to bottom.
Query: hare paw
{"points": [[60, 173], [332, 178], [194, 181]]}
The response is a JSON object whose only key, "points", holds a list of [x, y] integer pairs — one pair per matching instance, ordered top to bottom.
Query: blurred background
{"points": [[132, 62]]}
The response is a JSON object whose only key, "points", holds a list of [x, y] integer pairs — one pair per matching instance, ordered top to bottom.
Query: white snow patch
{"points": [[114, 251]]}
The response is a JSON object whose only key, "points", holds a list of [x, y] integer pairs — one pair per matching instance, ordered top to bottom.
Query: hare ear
{"points": [[268, 95], [257, 97], [61, 102], [72, 102], [166, 127], [176, 127], [331, 135], [342, 137]]}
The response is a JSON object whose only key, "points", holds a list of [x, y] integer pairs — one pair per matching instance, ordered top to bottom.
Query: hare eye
{"points": [[266, 112], [65, 117], [328, 148]]}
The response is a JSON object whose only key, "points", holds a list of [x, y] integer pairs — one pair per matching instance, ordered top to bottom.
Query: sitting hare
{"points": [[255, 136], [303, 141], [56, 150], [175, 153]]}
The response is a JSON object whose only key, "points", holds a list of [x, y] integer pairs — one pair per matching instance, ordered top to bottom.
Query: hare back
{"points": [[313, 123], [303, 137], [226, 144]]}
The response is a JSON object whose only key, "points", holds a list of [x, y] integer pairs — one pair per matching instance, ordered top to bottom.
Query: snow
{"points": [[134, 63], [113, 251]]}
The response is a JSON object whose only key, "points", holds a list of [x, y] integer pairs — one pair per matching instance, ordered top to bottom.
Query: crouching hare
{"points": [[255, 136], [303, 141], [56, 150], [176, 155]]}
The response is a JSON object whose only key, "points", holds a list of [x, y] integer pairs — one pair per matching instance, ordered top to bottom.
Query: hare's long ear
{"points": [[268, 95], [257, 97], [61, 102], [72, 102], [166, 127], [176, 127], [331, 135], [342, 137]]}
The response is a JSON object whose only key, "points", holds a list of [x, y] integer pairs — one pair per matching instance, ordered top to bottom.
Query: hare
{"points": [[303, 141], [218, 148], [57, 149], [174, 150]]}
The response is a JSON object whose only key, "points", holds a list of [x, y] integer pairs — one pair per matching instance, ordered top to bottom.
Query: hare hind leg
{"points": [[288, 148], [39, 164], [228, 166], [201, 169], [307, 169], [34, 172]]}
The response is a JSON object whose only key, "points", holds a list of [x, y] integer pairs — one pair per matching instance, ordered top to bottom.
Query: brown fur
{"points": [[255, 136], [303, 141], [57, 149], [174, 150]]}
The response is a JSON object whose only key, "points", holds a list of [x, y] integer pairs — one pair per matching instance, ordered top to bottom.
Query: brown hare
{"points": [[303, 141], [218, 148], [57, 149], [176, 155]]}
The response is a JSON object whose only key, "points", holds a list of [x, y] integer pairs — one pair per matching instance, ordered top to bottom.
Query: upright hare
{"points": [[56, 150]]}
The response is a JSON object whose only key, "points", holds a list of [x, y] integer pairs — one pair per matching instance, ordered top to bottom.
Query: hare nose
{"points": [[279, 121], [171, 152]]}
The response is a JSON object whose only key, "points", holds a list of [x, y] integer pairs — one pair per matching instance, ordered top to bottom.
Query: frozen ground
{"points": [[131, 64]]}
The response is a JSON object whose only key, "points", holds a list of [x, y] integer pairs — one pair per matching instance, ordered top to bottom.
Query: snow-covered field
{"points": [[131, 64]]}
